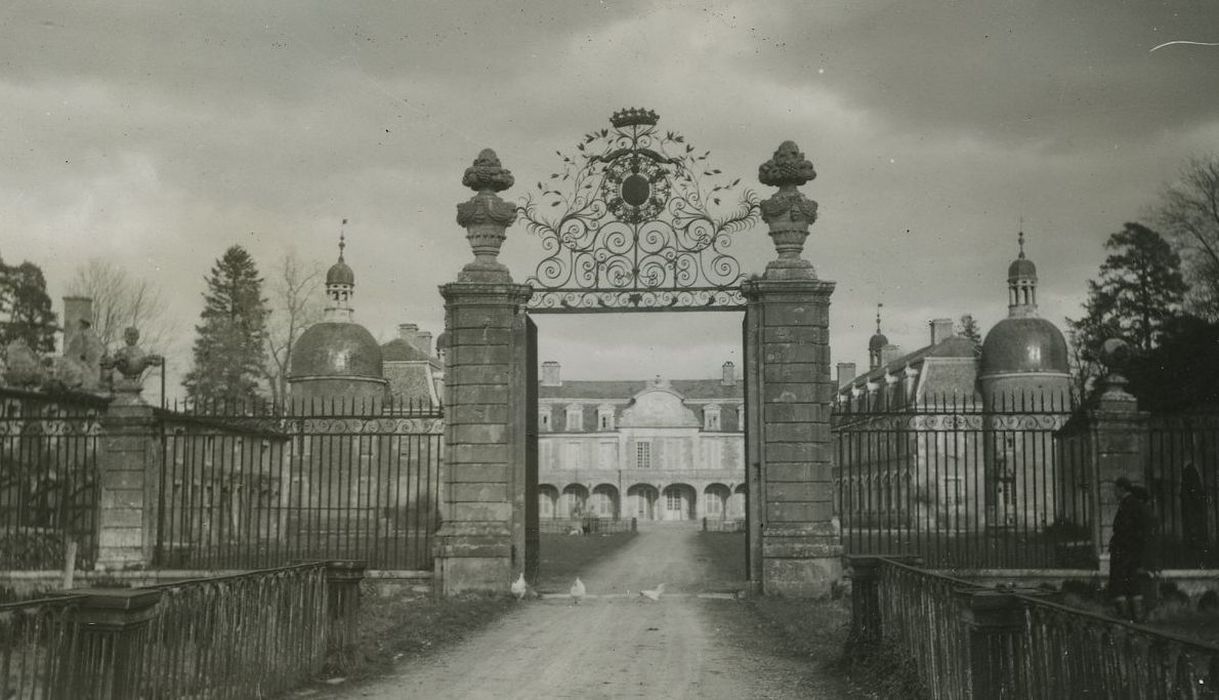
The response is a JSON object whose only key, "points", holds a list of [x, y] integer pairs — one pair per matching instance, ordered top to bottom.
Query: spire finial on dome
{"points": [[1020, 238], [342, 239], [878, 307]]}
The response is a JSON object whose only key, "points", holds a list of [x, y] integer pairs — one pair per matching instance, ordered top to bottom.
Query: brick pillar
{"points": [[1119, 446], [484, 463], [129, 473], [792, 523], [109, 642]]}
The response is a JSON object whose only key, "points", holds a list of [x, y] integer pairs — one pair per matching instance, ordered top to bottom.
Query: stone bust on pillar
{"points": [[788, 212], [486, 217], [130, 363]]}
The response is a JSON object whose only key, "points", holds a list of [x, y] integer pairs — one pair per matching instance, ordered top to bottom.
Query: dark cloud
{"points": [[1045, 73]]}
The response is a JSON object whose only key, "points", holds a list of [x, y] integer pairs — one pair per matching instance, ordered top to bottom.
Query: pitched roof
{"points": [[954, 346], [398, 350], [623, 390]]}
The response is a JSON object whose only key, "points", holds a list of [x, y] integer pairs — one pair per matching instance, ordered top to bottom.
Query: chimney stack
{"points": [[75, 310], [941, 330], [423, 341], [889, 353], [846, 372], [550, 374], [728, 378]]}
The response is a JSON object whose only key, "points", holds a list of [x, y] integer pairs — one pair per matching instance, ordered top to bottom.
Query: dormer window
{"points": [[575, 417], [605, 417], [711, 417], [544, 419]]}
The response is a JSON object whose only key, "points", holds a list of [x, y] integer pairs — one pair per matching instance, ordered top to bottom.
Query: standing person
{"points": [[1193, 515], [1129, 549]]}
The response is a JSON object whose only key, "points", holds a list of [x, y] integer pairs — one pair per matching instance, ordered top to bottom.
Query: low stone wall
{"points": [[23, 585]]}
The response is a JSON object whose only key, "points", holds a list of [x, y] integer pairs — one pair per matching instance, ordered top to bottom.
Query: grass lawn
{"points": [[724, 552], [565, 556], [392, 629]]}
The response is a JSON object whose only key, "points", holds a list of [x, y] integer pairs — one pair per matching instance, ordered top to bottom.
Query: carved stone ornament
{"points": [[788, 212], [485, 216], [130, 363], [23, 367]]}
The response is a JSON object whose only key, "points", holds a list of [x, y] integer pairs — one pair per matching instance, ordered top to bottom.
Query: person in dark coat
{"points": [[1193, 515], [1130, 548]]}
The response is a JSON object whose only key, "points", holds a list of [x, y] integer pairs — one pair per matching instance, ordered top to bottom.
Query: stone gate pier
{"points": [[794, 540]]}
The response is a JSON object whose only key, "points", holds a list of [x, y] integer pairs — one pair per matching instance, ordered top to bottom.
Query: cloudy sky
{"points": [[157, 134]]}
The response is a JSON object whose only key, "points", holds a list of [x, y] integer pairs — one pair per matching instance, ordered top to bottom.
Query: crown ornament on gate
{"points": [[634, 116], [788, 212], [486, 218]]}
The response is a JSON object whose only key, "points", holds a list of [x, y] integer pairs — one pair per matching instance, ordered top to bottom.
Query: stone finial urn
{"points": [[788, 212], [486, 217], [1115, 355]]}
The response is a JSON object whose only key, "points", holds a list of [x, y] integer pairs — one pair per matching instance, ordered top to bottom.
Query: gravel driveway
{"points": [[690, 644]]}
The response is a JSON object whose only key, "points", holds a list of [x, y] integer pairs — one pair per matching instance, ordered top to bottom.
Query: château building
{"points": [[957, 435], [654, 450]]}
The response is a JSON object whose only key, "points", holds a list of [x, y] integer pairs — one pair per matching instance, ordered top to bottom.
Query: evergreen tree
{"points": [[1137, 295], [25, 308], [967, 327], [230, 345]]}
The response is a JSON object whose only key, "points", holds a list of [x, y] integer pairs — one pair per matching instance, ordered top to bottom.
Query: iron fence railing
{"points": [[1182, 475], [48, 478], [963, 482], [246, 488], [918, 617], [242, 636], [35, 638], [967, 641], [1081, 654]]}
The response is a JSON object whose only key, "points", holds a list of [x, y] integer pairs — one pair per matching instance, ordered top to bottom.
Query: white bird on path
{"points": [[519, 587], [577, 591], [654, 594]]}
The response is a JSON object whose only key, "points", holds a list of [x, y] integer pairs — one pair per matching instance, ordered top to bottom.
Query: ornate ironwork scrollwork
{"points": [[634, 232]]}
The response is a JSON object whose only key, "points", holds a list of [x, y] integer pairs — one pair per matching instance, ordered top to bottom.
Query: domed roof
{"points": [[1021, 268], [340, 273], [877, 342], [1027, 344], [330, 349]]}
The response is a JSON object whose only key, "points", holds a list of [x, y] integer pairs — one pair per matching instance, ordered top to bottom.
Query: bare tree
{"points": [[1188, 211], [121, 300], [296, 304]]}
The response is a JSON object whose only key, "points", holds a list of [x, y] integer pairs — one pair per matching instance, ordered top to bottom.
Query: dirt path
{"points": [[614, 646]]}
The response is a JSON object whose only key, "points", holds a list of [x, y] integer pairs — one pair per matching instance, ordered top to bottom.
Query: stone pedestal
{"points": [[484, 460], [128, 473], [792, 523], [343, 579], [994, 622], [109, 641]]}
